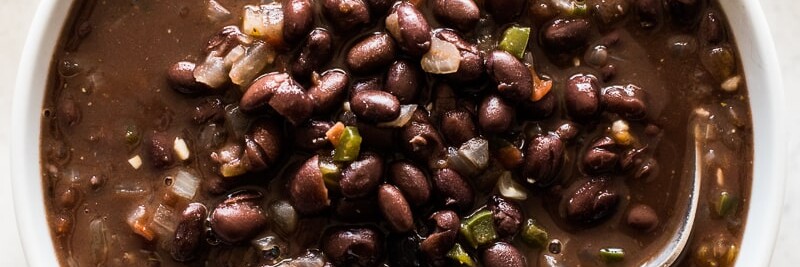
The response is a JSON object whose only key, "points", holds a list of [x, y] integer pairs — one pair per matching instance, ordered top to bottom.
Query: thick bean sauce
{"points": [[383, 133]]}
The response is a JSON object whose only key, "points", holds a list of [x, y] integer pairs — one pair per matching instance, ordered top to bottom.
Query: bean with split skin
{"points": [[504, 11], [346, 14], [460, 14], [298, 18], [410, 28], [563, 35], [315, 52], [371, 53], [472, 65], [181, 78], [403, 80], [514, 80], [329, 90], [282, 93], [581, 96], [628, 101], [375, 106], [495, 114], [457, 126], [311, 135], [421, 140], [262, 145], [601, 156], [544, 158], [363, 176], [411, 180], [453, 189], [307, 190], [590, 201], [395, 208], [507, 216], [239, 217], [189, 232], [443, 238], [357, 246], [502, 254]]}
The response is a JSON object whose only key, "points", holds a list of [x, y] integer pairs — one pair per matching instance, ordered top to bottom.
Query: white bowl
{"points": [[749, 28]]}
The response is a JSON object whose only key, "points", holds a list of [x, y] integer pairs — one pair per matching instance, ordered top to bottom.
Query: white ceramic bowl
{"points": [[749, 28]]}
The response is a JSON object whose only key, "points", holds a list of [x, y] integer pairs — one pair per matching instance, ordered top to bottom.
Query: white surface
{"points": [[781, 15]]}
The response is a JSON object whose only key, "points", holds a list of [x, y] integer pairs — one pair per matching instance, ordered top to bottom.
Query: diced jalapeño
{"points": [[515, 40], [349, 145], [478, 229], [533, 235], [612, 255], [460, 256]]}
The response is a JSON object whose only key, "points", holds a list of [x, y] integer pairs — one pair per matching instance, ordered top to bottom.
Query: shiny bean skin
{"points": [[504, 10], [610, 11], [346, 14], [460, 14], [298, 18], [409, 28], [711, 30], [564, 35], [315, 52], [371, 53], [472, 64], [181, 78], [403, 80], [514, 80], [329, 90], [282, 93], [582, 96], [628, 101], [375, 106], [210, 110], [495, 114], [457, 126], [311, 135], [421, 140], [262, 145], [159, 150], [601, 156], [544, 158], [363, 176], [411, 181], [453, 189], [307, 190], [590, 201], [395, 208], [507, 216], [239, 217], [188, 233], [438, 243], [357, 246], [502, 254]]}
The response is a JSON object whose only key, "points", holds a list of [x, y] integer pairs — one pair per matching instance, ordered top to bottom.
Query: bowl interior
{"points": [[749, 28]]}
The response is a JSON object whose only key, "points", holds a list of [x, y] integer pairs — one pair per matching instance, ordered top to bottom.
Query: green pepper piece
{"points": [[579, 8], [515, 40], [349, 145], [330, 172], [726, 204], [478, 229], [533, 235], [459, 255], [612, 255]]}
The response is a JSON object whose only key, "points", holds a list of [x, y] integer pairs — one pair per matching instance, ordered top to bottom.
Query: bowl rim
{"points": [[769, 133]]}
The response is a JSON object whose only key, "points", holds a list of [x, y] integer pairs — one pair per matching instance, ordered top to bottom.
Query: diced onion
{"points": [[216, 12], [264, 22], [235, 55], [257, 56], [442, 58], [212, 72], [406, 112], [181, 149], [471, 158], [135, 162], [185, 185], [509, 188], [285, 216], [138, 221], [164, 221], [98, 241]]}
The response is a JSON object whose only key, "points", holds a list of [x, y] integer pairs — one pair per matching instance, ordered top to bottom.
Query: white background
{"points": [[782, 15]]}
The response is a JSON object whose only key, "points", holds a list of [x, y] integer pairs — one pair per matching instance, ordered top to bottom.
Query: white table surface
{"points": [[782, 15]]}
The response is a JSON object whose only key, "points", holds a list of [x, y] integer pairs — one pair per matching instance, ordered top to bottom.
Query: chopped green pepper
{"points": [[515, 40], [349, 145], [330, 172], [726, 204], [478, 229], [533, 235], [459, 255], [612, 255]]}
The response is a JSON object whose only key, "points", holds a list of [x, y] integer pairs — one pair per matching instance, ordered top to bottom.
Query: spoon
{"points": [[680, 236]]}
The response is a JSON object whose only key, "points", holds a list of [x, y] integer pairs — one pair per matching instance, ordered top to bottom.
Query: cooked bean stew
{"points": [[394, 133]]}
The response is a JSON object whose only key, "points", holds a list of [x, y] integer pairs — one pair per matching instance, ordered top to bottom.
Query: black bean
{"points": [[379, 7], [504, 11], [610, 11], [685, 11], [649, 12], [346, 14], [461, 14], [298, 18], [409, 28], [712, 31], [565, 34], [225, 40], [316, 51], [371, 53], [472, 64], [608, 72], [181, 78], [403, 80], [514, 80], [372, 84], [329, 91], [280, 92], [582, 96], [628, 101], [375, 106], [540, 109], [210, 110], [68, 111], [495, 115], [457, 126], [567, 131], [311, 135], [421, 140], [262, 145], [159, 149], [601, 156], [544, 157], [646, 170], [363, 176], [411, 181], [307, 189], [453, 190], [592, 200], [395, 208], [507, 216], [239, 217], [642, 217], [188, 233], [357, 246], [436, 246], [404, 251], [502, 254]]}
